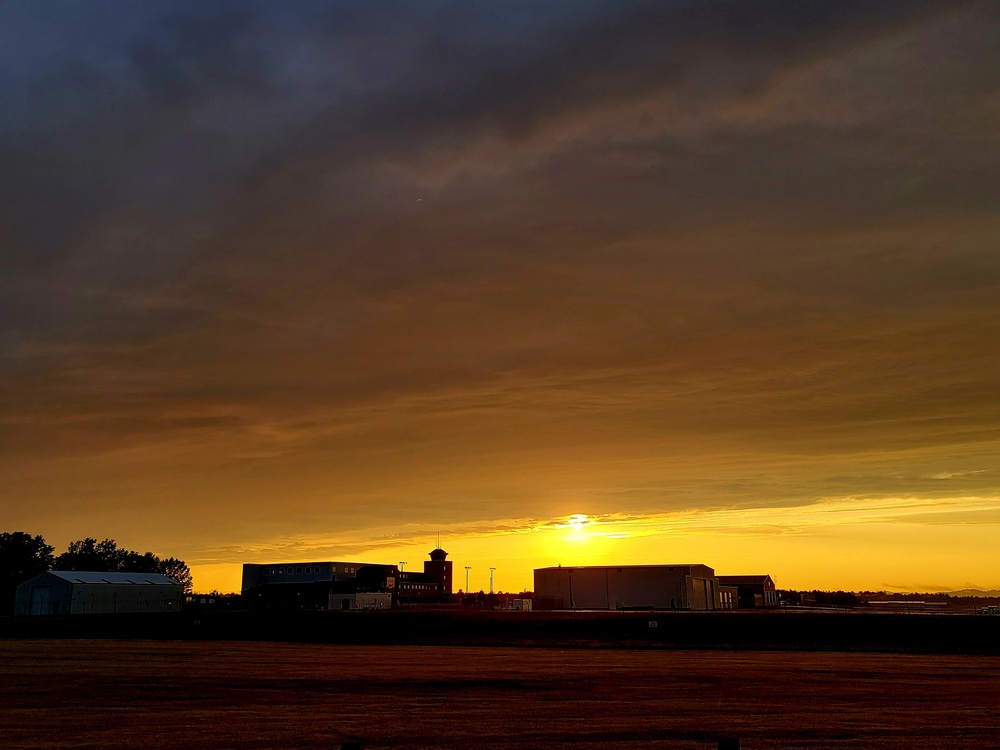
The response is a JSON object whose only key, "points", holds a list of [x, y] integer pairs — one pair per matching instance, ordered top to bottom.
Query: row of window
{"points": [[300, 570]]}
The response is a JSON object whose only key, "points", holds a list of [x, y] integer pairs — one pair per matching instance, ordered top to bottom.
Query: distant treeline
{"points": [[23, 556], [848, 599]]}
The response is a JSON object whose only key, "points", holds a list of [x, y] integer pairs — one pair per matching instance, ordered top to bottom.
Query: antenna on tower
{"points": [[439, 540]]}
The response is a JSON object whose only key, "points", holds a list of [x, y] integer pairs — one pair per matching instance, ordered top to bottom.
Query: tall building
{"points": [[438, 570]]}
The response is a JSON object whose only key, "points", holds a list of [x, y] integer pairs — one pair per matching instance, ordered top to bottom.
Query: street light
{"points": [[402, 564], [467, 569], [491, 579]]}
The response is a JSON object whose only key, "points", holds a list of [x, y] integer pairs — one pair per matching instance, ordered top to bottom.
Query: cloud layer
{"points": [[267, 268]]}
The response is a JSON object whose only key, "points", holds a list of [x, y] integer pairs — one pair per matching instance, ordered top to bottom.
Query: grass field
{"points": [[146, 694]]}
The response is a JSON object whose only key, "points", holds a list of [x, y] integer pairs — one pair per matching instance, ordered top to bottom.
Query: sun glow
{"points": [[574, 527], [896, 543]]}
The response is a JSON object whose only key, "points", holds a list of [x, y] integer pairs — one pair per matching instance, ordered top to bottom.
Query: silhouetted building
{"points": [[438, 570], [258, 574], [322, 585], [408, 586], [627, 587], [752, 591], [74, 592]]}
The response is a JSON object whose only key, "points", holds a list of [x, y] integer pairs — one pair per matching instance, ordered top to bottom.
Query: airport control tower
{"points": [[439, 569]]}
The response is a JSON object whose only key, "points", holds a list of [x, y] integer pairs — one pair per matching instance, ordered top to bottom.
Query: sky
{"points": [[565, 283]]}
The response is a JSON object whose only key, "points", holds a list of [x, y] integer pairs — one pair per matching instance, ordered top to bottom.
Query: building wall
{"points": [[440, 572], [257, 574], [657, 586], [753, 591], [702, 593], [43, 595], [50, 595], [729, 596], [95, 598], [365, 601]]}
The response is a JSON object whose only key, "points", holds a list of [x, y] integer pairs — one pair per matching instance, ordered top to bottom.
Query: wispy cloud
{"points": [[757, 522]]}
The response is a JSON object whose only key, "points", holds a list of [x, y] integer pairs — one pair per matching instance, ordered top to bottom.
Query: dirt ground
{"points": [[143, 694]]}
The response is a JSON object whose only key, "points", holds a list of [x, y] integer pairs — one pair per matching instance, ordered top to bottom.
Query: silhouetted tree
{"points": [[90, 554], [106, 555], [22, 557], [178, 570], [790, 597], [836, 599]]}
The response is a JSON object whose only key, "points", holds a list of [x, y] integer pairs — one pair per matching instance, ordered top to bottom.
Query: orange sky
{"points": [[322, 282]]}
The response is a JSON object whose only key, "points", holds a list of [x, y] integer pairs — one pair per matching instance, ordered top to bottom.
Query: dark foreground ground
{"points": [[741, 630], [223, 694]]}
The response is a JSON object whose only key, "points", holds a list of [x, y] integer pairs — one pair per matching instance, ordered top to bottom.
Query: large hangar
{"points": [[627, 587], [73, 592]]}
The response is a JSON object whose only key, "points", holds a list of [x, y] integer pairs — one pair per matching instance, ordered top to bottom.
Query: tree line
{"points": [[23, 556]]}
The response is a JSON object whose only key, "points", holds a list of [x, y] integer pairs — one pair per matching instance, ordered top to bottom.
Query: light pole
{"points": [[402, 564], [467, 569], [491, 579]]}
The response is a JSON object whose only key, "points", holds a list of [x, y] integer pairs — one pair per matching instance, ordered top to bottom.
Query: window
{"points": [[298, 571]]}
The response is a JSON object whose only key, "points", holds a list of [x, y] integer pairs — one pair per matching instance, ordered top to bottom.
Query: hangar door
{"points": [[41, 596]]}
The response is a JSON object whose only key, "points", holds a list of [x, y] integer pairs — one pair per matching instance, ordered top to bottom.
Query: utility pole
{"points": [[467, 569], [491, 579]]}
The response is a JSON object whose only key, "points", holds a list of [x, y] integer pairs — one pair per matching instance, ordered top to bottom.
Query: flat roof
{"points": [[307, 562], [618, 567], [137, 579], [744, 579]]}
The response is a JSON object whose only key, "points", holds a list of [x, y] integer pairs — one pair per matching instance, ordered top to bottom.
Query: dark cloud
{"points": [[144, 114]]}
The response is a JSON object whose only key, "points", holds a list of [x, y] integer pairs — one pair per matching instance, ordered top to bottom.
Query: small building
{"points": [[627, 587], [753, 591], [73, 592], [363, 600], [519, 605]]}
